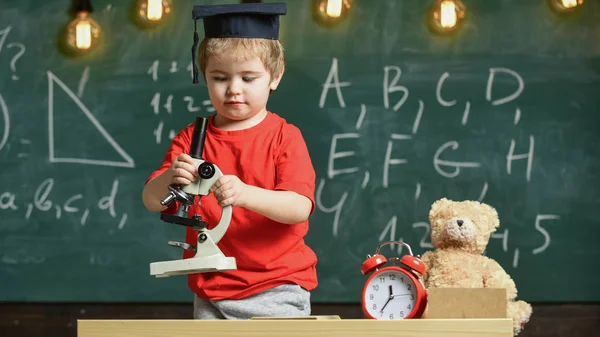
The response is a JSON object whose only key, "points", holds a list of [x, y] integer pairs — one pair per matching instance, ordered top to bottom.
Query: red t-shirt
{"points": [[271, 155]]}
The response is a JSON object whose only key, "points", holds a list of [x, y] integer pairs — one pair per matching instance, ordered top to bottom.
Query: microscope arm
{"points": [[209, 175], [217, 233]]}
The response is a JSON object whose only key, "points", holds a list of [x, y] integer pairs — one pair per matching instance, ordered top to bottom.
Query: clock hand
{"points": [[389, 298], [386, 303]]}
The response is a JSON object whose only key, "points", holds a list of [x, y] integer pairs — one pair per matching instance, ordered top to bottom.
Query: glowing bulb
{"points": [[569, 3], [565, 7], [334, 8], [155, 10], [152, 12], [331, 12], [448, 14], [83, 32], [83, 35]]}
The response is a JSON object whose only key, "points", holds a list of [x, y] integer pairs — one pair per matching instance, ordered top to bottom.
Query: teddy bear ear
{"points": [[440, 204], [438, 207], [492, 217]]}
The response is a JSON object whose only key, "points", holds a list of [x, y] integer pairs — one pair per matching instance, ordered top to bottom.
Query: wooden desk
{"points": [[501, 327]]}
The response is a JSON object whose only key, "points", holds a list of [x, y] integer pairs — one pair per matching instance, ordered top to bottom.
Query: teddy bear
{"points": [[460, 232]]}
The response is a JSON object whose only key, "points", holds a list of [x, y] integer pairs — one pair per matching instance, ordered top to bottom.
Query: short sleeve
{"points": [[180, 144], [294, 167]]}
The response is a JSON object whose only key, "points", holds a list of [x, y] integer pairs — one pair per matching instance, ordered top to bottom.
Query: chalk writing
{"points": [[3, 35], [16, 56], [172, 68], [85, 76], [54, 80], [333, 81], [392, 87], [509, 98], [155, 103], [165, 103], [445, 103], [190, 104], [5, 117], [6, 122], [158, 132], [333, 155], [512, 157], [388, 160], [448, 160], [438, 163], [418, 191], [7, 201], [42, 201], [337, 208], [539, 218], [389, 231], [424, 243], [23, 256]]}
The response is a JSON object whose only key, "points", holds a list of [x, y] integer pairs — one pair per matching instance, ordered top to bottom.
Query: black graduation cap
{"points": [[247, 20]]}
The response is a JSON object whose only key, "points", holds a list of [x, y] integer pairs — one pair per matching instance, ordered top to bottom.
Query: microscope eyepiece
{"points": [[206, 170]]}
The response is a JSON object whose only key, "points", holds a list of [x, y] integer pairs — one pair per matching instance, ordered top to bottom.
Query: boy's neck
{"points": [[226, 124]]}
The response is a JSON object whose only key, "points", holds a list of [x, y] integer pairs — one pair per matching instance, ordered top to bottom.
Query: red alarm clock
{"points": [[394, 291]]}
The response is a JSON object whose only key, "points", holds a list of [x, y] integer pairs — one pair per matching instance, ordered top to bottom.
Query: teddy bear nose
{"points": [[459, 222]]}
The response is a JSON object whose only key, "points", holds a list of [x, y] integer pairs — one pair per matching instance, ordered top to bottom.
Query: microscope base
{"points": [[192, 265]]}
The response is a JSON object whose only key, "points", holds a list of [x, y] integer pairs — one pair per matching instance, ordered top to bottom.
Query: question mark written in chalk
{"points": [[13, 62]]}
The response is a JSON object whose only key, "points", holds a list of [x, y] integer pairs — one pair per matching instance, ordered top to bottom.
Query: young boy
{"points": [[268, 176]]}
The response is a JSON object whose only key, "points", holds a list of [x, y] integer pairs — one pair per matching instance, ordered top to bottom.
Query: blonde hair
{"points": [[270, 52]]}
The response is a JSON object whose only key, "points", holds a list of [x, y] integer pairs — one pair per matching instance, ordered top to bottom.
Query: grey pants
{"points": [[286, 300]]}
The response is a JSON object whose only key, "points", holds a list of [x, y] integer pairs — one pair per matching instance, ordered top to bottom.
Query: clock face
{"points": [[390, 294]]}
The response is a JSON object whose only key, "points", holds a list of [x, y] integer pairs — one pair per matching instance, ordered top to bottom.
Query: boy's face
{"points": [[238, 88]]}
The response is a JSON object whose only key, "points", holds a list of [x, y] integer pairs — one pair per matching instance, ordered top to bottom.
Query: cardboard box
{"points": [[466, 303]]}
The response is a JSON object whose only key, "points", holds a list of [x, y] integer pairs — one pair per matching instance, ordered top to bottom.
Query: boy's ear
{"points": [[276, 80]]}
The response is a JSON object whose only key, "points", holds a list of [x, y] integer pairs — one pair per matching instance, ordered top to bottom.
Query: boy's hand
{"points": [[183, 170], [229, 190]]}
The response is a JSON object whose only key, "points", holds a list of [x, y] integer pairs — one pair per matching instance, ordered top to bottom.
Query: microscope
{"points": [[208, 257]]}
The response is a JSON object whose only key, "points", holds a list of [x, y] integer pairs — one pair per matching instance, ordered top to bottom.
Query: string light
{"points": [[569, 3], [565, 6], [333, 8], [331, 12], [151, 13], [446, 16], [83, 33]]}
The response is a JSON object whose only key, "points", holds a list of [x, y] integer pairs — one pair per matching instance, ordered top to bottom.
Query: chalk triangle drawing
{"points": [[127, 160]]}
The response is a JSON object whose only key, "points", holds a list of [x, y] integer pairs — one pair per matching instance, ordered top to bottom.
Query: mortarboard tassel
{"points": [[194, 50]]}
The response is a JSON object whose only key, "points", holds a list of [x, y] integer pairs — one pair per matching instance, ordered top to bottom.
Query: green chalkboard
{"points": [[506, 111]]}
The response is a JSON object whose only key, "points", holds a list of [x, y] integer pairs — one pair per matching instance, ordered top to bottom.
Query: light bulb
{"points": [[569, 3], [565, 7], [333, 8], [155, 10], [152, 12], [331, 12], [446, 16], [83, 32]]}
